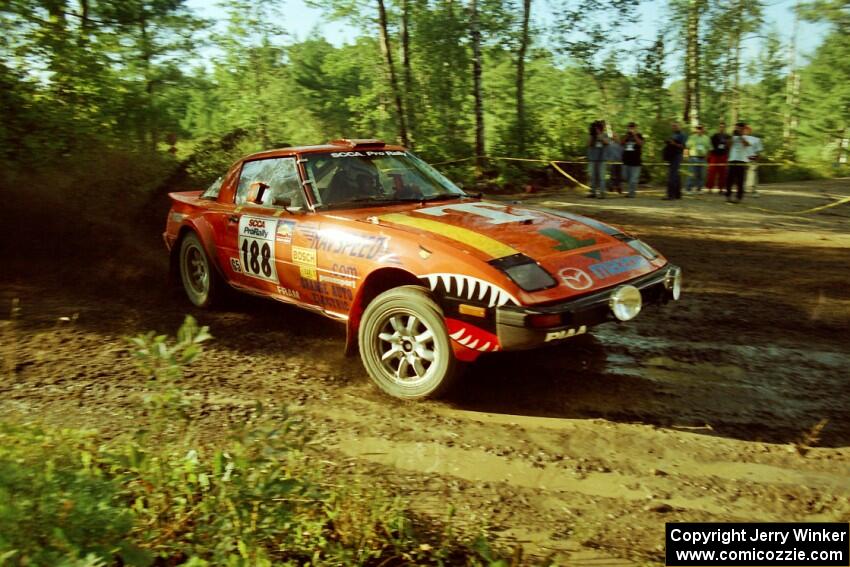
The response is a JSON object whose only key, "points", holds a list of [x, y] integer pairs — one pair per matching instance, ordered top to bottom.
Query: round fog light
{"points": [[673, 282], [625, 302]]}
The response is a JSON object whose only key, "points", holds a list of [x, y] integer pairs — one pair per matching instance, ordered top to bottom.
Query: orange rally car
{"points": [[423, 275]]}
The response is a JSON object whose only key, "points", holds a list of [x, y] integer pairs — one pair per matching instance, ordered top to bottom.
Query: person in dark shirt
{"points": [[596, 143], [632, 146], [673, 152], [717, 159]]}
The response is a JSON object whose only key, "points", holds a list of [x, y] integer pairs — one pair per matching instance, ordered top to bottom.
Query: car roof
{"points": [[341, 145]]}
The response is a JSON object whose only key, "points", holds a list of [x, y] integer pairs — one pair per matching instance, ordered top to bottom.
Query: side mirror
{"points": [[256, 192]]}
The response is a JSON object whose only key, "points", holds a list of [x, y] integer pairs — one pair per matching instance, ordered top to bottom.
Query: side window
{"points": [[250, 173], [280, 174], [213, 190]]}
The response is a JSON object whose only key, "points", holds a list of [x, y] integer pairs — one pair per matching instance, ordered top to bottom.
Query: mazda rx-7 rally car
{"points": [[423, 275]]}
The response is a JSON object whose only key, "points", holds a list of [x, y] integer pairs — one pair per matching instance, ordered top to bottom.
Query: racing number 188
{"points": [[250, 258]]}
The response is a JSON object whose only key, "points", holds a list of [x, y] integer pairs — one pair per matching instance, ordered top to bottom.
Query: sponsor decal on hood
{"points": [[498, 230]]}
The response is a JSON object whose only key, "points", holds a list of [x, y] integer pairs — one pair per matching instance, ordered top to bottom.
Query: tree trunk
{"points": [[85, 23], [475, 34], [737, 37], [386, 49], [692, 71], [408, 72], [658, 73], [520, 79], [736, 81], [259, 83], [792, 94], [149, 121]]}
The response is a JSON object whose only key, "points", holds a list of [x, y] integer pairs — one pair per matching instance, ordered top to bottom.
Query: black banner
{"points": [[822, 544]]}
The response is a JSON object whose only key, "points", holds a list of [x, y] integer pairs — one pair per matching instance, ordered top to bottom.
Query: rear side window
{"points": [[280, 174], [213, 190]]}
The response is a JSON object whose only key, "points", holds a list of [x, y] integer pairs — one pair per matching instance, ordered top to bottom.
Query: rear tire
{"points": [[200, 280], [405, 346]]}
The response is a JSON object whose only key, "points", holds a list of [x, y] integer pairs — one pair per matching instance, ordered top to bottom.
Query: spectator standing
{"points": [[698, 145], [674, 147], [632, 148], [755, 149], [614, 156], [739, 157], [718, 158], [596, 159]]}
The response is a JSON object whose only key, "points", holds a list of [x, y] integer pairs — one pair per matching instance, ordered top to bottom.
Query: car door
{"points": [[263, 234]]}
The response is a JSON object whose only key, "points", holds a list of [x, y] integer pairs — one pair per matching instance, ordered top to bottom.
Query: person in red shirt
{"points": [[717, 159]]}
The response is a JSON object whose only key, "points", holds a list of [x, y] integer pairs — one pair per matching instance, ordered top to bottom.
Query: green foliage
{"points": [[825, 88], [93, 92], [163, 363], [253, 500], [68, 501], [57, 507]]}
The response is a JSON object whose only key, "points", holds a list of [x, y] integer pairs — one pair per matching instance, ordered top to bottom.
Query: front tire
{"points": [[199, 278], [405, 346]]}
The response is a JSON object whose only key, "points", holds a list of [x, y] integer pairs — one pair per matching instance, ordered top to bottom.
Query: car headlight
{"points": [[525, 272], [673, 282], [625, 302]]}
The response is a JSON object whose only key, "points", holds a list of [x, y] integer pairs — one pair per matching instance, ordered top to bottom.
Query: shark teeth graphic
{"points": [[457, 284], [464, 337]]}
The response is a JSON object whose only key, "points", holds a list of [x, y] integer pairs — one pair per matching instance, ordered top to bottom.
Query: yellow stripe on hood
{"points": [[471, 238]]}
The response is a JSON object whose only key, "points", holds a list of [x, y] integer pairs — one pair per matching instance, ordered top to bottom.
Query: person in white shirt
{"points": [[755, 148], [739, 157]]}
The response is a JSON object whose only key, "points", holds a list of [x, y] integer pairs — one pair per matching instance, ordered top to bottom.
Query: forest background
{"points": [[141, 96]]}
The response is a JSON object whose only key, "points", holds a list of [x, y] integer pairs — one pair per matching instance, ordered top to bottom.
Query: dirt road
{"points": [[696, 412]]}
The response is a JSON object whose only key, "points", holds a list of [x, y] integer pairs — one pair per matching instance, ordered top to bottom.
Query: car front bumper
{"points": [[516, 331]]}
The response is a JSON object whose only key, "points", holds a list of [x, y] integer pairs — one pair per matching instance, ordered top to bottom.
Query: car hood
{"points": [[568, 246]]}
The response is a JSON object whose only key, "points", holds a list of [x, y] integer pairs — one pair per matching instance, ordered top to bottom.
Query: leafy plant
{"points": [[163, 364], [56, 506]]}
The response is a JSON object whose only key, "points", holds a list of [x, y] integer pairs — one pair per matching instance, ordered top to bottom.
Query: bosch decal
{"points": [[303, 256]]}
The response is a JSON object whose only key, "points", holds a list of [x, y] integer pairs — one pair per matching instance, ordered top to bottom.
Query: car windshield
{"points": [[357, 178]]}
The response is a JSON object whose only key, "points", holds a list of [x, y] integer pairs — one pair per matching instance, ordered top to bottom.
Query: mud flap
{"points": [[350, 341]]}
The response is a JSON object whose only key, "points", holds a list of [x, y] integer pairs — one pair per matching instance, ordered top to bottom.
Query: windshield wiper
{"points": [[441, 197], [359, 201]]}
